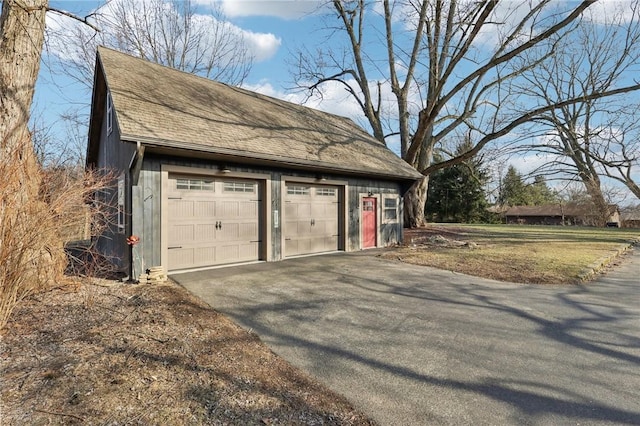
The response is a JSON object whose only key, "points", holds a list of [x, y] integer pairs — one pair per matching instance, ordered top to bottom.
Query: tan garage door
{"points": [[310, 219], [212, 221]]}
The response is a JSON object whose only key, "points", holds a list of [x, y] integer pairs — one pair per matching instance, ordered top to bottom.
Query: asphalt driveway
{"points": [[413, 345]]}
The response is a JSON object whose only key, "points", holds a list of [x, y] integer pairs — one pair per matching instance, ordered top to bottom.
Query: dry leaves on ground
{"points": [[113, 353]]}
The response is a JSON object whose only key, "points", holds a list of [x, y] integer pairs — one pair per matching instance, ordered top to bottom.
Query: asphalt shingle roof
{"points": [[178, 109]]}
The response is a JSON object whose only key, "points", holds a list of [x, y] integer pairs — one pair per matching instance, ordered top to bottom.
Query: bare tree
{"points": [[168, 32], [447, 64], [594, 136], [619, 153]]}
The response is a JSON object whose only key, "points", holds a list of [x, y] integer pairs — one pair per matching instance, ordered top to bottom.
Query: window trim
{"points": [[386, 208]]}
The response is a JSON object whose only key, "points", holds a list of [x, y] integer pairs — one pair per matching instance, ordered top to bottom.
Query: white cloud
{"points": [[287, 9], [617, 11], [61, 29], [261, 45], [335, 99], [529, 163]]}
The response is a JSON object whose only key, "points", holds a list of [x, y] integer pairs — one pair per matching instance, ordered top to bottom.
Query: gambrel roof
{"points": [[165, 108]]}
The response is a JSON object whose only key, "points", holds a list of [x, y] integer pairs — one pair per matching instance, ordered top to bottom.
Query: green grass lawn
{"points": [[530, 254]]}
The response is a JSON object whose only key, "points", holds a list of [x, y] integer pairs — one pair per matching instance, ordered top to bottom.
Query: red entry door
{"points": [[369, 226]]}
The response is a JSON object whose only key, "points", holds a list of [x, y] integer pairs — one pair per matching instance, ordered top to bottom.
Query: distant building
{"points": [[559, 214], [630, 217]]}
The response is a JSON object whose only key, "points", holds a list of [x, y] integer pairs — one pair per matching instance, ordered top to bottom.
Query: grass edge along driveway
{"points": [[515, 253]]}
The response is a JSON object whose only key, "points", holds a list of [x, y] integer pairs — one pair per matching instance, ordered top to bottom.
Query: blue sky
{"points": [[274, 29]]}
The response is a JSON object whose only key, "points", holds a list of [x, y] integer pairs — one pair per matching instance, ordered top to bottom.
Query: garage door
{"points": [[310, 219], [212, 221]]}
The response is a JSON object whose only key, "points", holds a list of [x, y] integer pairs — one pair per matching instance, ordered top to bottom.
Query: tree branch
{"points": [[73, 16], [529, 116]]}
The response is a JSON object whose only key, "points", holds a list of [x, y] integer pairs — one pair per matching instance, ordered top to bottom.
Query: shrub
{"points": [[33, 228]]}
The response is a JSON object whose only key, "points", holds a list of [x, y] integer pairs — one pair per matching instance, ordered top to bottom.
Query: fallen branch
{"points": [[147, 336], [60, 414]]}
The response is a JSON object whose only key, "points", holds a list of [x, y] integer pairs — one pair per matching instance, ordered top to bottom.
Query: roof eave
{"points": [[231, 155]]}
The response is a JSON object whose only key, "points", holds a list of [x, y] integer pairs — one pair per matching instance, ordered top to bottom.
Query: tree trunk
{"points": [[21, 37], [633, 187], [597, 198], [414, 201], [31, 251]]}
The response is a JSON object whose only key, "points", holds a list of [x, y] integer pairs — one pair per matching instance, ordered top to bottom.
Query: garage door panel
{"points": [[180, 208], [204, 209], [227, 209], [248, 209], [290, 210], [304, 210], [311, 219], [214, 226], [331, 227], [303, 228], [319, 228], [247, 230], [205, 232], [229, 232], [181, 233], [237, 252], [228, 253], [202, 255], [180, 258]]}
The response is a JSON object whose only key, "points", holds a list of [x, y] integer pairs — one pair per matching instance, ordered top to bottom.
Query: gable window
{"points": [[109, 114], [195, 184], [239, 187], [298, 190], [390, 209]]}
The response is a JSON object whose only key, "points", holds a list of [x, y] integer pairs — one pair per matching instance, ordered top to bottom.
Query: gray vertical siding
{"points": [[113, 158], [276, 205], [146, 216]]}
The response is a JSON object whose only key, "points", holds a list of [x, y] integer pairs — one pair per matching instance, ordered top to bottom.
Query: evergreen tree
{"points": [[515, 192], [540, 193], [456, 194]]}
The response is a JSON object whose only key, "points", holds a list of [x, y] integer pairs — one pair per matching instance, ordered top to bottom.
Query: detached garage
{"points": [[208, 175]]}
